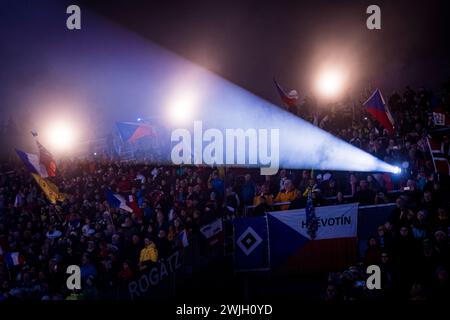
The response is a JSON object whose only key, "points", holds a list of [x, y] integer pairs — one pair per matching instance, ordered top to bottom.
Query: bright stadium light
{"points": [[330, 83], [184, 93], [182, 107], [61, 136], [396, 170]]}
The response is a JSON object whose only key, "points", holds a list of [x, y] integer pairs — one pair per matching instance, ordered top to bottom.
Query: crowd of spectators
{"points": [[112, 245], [412, 246]]}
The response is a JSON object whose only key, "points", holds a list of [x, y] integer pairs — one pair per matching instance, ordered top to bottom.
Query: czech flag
{"points": [[290, 99], [378, 109], [132, 131], [333, 248]]}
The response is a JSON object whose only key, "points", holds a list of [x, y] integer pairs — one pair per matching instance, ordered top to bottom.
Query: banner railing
{"points": [[279, 204]]}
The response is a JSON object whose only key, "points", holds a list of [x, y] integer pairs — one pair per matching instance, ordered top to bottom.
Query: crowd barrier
{"points": [[249, 208], [164, 279]]}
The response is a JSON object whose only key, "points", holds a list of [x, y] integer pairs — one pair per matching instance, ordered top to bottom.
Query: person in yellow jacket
{"points": [[312, 187], [263, 192], [287, 194], [149, 254]]}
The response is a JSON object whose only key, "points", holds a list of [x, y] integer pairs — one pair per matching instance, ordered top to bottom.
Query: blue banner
{"points": [[251, 244]]}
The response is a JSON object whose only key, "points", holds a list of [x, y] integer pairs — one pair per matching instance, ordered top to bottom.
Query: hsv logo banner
{"points": [[251, 246]]}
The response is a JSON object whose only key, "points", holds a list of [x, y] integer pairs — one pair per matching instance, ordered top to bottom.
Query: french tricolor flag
{"points": [[378, 109], [32, 163], [115, 200], [184, 239], [13, 259]]}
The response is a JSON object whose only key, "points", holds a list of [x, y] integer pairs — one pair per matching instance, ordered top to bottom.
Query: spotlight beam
{"points": [[153, 79]]}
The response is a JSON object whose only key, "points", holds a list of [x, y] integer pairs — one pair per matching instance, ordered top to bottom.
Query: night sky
{"points": [[245, 42], [248, 42]]}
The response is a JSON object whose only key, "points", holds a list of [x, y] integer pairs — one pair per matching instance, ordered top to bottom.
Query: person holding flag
{"points": [[290, 99], [378, 109], [45, 157], [41, 168], [40, 175], [312, 223]]}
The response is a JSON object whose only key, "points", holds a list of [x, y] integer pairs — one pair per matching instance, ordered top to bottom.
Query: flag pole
{"points": [[352, 98], [431, 153], [432, 157]]}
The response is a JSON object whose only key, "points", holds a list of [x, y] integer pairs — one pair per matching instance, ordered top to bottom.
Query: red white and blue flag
{"points": [[290, 99], [378, 109], [438, 113], [132, 131], [440, 154], [45, 157], [47, 160], [31, 161], [115, 200], [183, 238], [334, 246], [13, 259]]}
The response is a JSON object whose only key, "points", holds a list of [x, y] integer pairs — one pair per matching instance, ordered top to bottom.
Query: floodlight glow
{"points": [[144, 79], [330, 83], [182, 107], [61, 136], [396, 170]]}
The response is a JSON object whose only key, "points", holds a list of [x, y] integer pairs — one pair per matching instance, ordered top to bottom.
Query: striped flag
{"points": [[290, 100], [378, 109], [133, 131], [440, 155], [46, 158], [31, 161], [115, 200], [132, 203], [184, 239], [293, 250], [13, 259]]}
